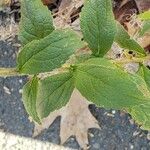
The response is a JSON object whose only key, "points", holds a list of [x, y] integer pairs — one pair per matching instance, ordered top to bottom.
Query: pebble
{"points": [[20, 81], [7, 90], [20, 91], [113, 111], [110, 115], [131, 121], [136, 133], [91, 135], [148, 135], [131, 146]]}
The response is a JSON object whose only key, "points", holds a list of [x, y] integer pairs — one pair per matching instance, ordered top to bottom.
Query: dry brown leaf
{"points": [[4, 3], [123, 3], [64, 4], [143, 5], [63, 16], [76, 26], [132, 27], [144, 41], [76, 119]]}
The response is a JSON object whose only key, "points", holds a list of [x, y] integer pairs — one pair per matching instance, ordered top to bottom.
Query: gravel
{"points": [[118, 130]]}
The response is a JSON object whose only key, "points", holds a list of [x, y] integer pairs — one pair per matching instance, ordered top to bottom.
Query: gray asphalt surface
{"points": [[118, 131]]}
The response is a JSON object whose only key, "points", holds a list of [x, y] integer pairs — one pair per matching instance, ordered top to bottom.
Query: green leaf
{"points": [[145, 15], [36, 21], [98, 25], [145, 28], [125, 41], [48, 53], [145, 73], [106, 85], [54, 93], [30, 97], [141, 114]]}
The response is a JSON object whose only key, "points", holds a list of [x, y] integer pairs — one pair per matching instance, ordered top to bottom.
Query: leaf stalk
{"points": [[4, 72]]}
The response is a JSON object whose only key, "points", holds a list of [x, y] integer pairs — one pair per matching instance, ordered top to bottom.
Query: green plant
{"points": [[50, 57]]}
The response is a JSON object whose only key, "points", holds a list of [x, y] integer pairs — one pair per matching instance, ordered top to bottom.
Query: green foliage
{"points": [[145, 15], [36, 21], [98, 25], [145, 28], [125, 41], [48, 53], [145, 73], [99, 80], [103, 83], [54, 93], [29, 96], [141, 114]]}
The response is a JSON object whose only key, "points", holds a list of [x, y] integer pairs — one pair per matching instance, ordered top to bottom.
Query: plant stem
{"points": [[4, 72]]}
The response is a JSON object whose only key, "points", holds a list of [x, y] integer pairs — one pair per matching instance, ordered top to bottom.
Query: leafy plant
{"points": [[145, 17], [49, 56]]}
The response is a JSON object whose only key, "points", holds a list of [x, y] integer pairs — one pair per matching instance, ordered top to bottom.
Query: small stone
{"points": [[5, 53], [14, 56], [20, 81], [7, 90], [20, 91], [113, 111], [110, 115], [131, 121], [136, 133], [91, 134], [148, 135], [72, 139], [131, 146]]}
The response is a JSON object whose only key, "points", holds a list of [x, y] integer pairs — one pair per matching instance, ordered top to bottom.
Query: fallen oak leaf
{"points": [[124, 2], [142, 5], [66, 9], [144, 41], [76, 119]]}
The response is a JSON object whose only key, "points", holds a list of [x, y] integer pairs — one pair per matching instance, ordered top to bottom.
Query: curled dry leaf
{"points": [[4, 3], [143, 5], [66, 9], [124, 9], [144, 41], [76, 119]]}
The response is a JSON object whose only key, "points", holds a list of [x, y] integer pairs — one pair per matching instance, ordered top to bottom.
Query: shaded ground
{"points": [[118, 131]]}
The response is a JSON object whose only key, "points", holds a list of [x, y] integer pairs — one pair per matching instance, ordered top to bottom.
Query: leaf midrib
{"points": [[23, 65]]}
